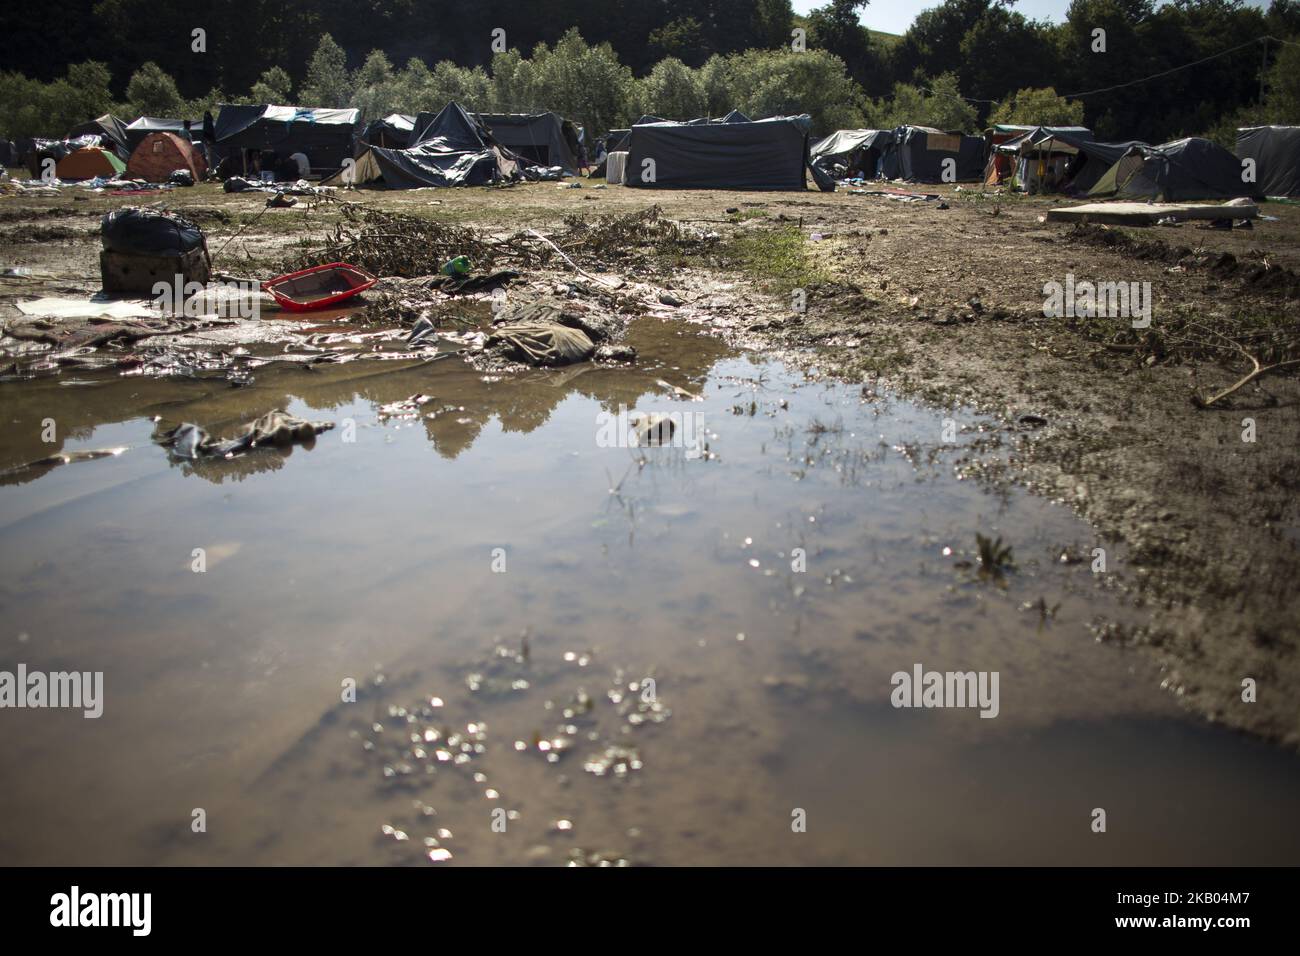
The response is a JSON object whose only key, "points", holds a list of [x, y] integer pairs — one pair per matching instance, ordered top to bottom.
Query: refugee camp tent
{"points": [[138, 129], [110, 130], [391, 132], [324, 135], [546, 139], [453, 150], [40, 151], [852, 152], [1276, 152], [161, 154], [768, 154], [919, 154], [1038, 156], [1053, 159], [89, 162], [1182, 170], [362, 171]]}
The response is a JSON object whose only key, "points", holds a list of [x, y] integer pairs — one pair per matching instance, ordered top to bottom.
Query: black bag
{"points": [[150, 232]]}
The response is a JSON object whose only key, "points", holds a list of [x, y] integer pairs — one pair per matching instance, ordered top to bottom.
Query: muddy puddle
{"points": [[564, 652]]}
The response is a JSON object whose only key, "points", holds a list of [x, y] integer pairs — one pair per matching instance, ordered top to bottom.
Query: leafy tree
{"points": [[836, 29], [683, 40], [327, 82], [513, 83], [586, 83], [771, 83], [274, 87], [672, 90], [374, 91], [152, 92], [939, 105], [1038, 107]]}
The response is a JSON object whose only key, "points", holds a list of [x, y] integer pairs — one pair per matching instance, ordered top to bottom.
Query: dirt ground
{"points": [[943, 300]]}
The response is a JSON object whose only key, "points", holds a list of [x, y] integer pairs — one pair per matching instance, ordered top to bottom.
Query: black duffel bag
{"points": [[150, 232]]}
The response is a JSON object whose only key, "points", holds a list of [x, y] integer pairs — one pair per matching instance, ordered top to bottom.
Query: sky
{"points": [[895, 16]]}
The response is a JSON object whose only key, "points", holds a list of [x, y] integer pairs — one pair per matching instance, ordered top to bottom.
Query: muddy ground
{"points": [[943, 300]]}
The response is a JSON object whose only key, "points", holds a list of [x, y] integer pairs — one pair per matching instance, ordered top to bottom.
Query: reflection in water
{"points": [[632, 654]]}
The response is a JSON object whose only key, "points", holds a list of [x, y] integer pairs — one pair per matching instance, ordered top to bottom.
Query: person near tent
{"points": [[303, 165]]}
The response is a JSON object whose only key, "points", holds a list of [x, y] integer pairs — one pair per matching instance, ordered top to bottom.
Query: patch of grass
{"points": [[776, 258]]}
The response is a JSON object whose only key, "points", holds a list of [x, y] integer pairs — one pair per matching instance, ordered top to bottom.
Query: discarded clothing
{"points": [[539, 342], [274, 429]]}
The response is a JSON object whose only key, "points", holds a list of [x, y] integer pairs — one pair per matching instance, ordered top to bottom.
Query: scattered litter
{"points": [[274, 429]]}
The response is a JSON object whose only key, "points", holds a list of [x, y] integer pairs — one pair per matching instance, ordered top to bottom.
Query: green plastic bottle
{"points": [[460, 266]]}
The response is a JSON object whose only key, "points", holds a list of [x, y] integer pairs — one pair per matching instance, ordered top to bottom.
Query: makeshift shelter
{"points": [[138, 129], [110, 130], [391, 132], [325, 136], [546, 139], [1010, 149], [453, 150], [1276, 152], [849, 153], [161, 154], [768, 154], [921, 154], [1046, 159], [89, 162], [1182, 170], [362, 171]]}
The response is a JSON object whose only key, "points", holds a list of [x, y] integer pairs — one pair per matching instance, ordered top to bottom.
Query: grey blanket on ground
{"points": [[545, 332], [274, 429]]}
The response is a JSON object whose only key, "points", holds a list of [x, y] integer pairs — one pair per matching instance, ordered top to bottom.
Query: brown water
{"points": [[373, 560]]}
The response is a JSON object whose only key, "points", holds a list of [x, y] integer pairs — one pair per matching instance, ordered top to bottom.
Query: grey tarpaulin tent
{"points": [[138, 129], [110, 130], [391, 132], [324, 135], [546, 139], [453, 150], [849, 151], [1276, 152], [767, 154], [920, 154], [1182, 170]]}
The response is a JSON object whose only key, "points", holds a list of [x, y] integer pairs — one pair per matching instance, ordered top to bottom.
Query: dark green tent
{"points": [[1186, 169]]}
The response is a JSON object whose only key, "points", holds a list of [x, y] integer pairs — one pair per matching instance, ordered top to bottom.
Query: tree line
{"points": [[961, 65]]}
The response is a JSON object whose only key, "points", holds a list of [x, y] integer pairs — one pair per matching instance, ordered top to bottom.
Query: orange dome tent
{"points": [[160, 154], [87, 163]]}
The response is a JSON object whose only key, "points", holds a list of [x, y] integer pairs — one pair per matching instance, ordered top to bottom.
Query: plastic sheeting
{"points": [[138, 129], [111, 132], [324, 135], [546, 139], [1276, 152], [769, 154], [918, 154]]}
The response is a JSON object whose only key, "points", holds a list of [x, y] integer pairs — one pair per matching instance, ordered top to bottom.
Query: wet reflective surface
{"points": [[501, 590]]}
